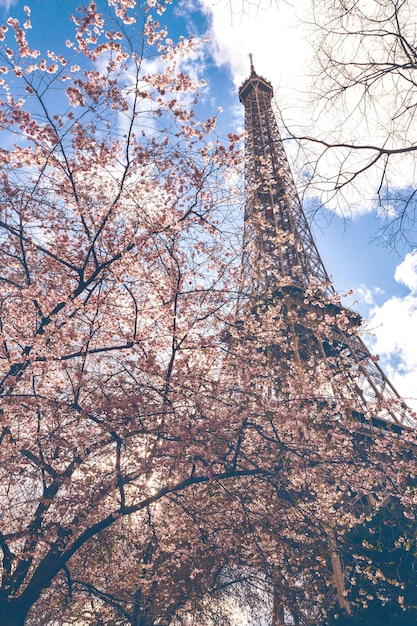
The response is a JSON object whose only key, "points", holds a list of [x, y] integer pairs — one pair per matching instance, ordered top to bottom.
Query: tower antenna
{"points": [[252, 68]]}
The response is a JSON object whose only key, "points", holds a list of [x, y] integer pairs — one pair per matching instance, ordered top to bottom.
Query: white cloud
{"points": [[6, 4], [273, 35], [406, 272], [367, 295], [394, 325]]}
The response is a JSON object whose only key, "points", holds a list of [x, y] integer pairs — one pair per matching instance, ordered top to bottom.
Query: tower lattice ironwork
{"points": [[281, 262]]}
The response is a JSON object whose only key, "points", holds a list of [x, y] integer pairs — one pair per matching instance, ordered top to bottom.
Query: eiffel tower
{"points": [[281, 261], [281, 264]]}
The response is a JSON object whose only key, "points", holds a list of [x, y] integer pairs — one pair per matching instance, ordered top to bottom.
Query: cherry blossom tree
{"points": [[112, 286], [128, 380], [174, 563]]}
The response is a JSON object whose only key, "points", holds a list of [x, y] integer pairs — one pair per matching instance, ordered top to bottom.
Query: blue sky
{"points": [[385, 282]]}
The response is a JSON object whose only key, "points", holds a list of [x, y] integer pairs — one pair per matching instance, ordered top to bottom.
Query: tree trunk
{"points": [[278, 613]]}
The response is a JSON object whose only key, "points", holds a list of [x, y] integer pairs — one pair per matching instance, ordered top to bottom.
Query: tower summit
{"points": [[281, 265]]}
